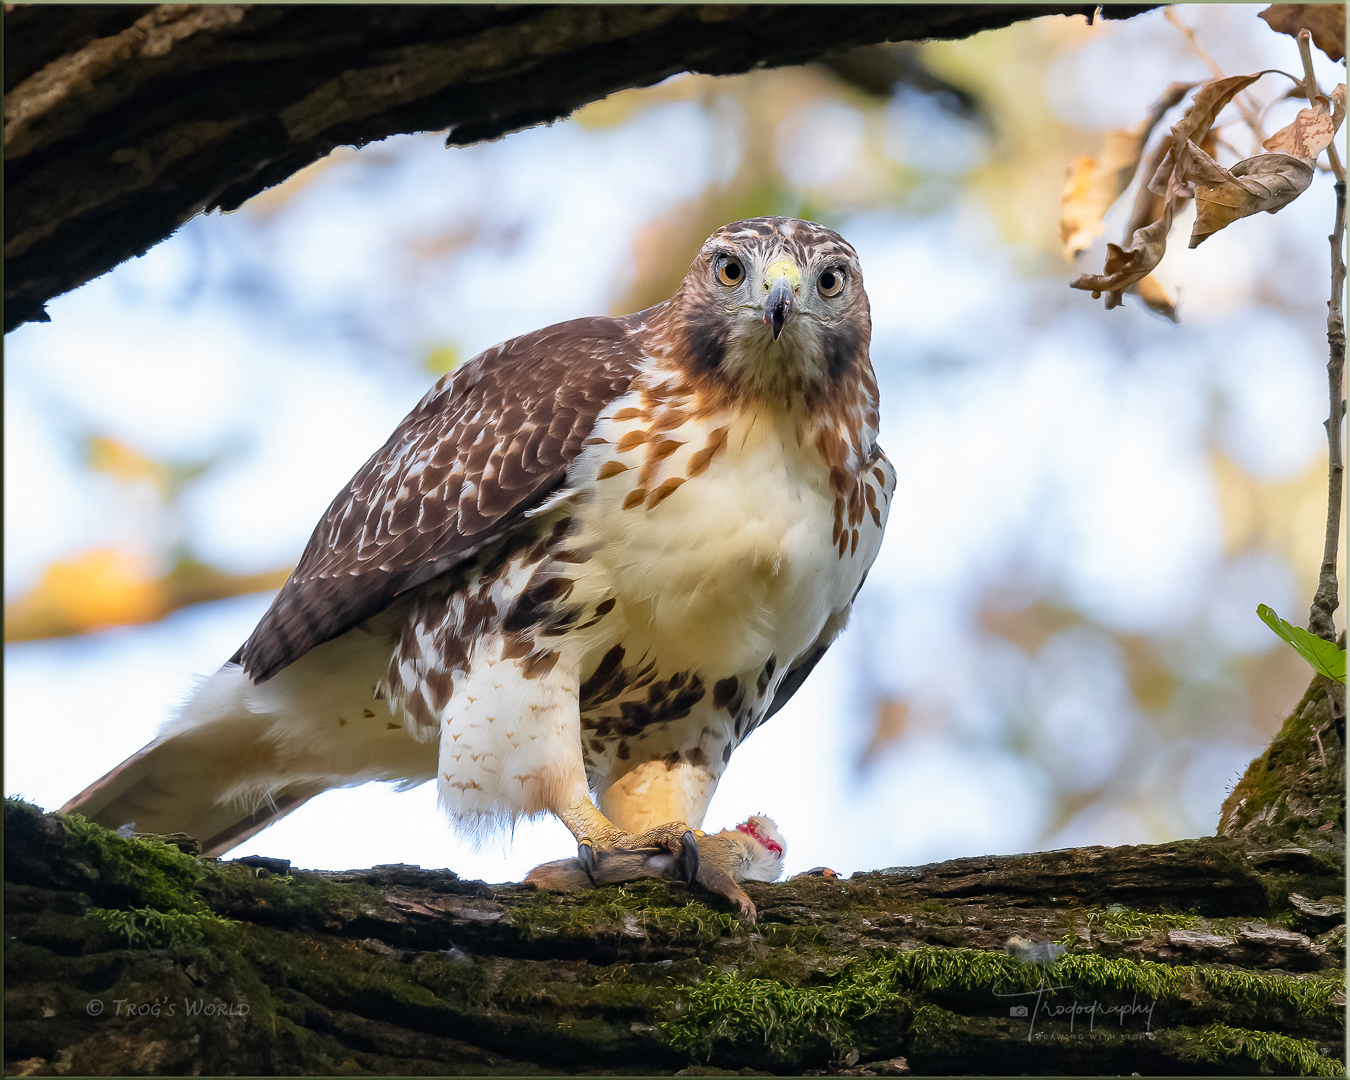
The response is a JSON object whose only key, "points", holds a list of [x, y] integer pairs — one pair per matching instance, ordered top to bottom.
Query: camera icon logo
{"points": [[1018, 1010]]}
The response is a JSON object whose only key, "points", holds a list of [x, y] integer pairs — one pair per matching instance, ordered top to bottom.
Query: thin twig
{"points": [[1310, 88], [1241, 100], [1325, 601]]}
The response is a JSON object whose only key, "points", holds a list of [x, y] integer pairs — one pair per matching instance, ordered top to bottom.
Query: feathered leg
{"points": [[510, 744]]}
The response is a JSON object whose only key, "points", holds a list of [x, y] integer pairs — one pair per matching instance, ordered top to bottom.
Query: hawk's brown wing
{"points": [[488, 442]]}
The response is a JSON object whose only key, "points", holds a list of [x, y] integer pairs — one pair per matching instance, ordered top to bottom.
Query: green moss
{"points": [[1280, 769], [1258, 788], [17, 808], [160, 875], [291, 899], [643, 907], [1120, 921], [157, 929], [790, 935], [932, 969], [937, 969], [331, 970], [1089, 971], [620, 992], [1309, 995], [728, 1007], [737, 1008], [789, 1020], [935, 1031], [1219, 1044]]}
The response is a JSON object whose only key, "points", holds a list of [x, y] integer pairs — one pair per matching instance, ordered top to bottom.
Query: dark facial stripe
{"points": [[707, 339], [843, 346]]}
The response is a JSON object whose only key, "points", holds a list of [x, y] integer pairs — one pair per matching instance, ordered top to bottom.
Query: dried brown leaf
{"points": [[1325, 22], [1195, 123], [1313, 128], [1179, 166], [1094, 184], [1222, 196], [1080, 206], [1148, 206], [1127, 265], [1149, 289], [1031, 627], [892, 721]]}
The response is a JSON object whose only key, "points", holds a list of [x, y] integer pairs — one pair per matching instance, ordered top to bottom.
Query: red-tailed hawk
{"points": [[592, 559]]}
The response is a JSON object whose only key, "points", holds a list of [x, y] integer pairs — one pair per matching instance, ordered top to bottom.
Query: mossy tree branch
{"points": [[1294, 793], [132, 955]]}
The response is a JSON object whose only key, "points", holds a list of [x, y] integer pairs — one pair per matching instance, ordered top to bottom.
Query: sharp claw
{"points": [[586, 857], [688, 861]]}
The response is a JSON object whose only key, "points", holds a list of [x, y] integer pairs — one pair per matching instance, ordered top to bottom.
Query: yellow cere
{"points": [[783, 268]]}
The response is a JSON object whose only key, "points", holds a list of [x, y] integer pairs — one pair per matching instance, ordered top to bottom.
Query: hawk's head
{"points": [[773, 307]]}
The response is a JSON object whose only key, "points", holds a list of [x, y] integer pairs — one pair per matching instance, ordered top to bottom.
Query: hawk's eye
{"points": [[730, 272], [830, 282]]}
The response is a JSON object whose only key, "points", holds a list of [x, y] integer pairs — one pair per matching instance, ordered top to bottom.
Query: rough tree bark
{"points": [[122, 122], [1218, 955]]}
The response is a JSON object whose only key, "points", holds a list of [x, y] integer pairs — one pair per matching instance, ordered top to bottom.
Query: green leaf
{"points": [[1321, 654]]}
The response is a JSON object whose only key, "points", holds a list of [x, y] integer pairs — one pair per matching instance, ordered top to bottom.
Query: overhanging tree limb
{"points": [[123, 122]]}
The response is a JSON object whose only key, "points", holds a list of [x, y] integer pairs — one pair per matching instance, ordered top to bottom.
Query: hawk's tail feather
{"points": [[238, 757], [207, 774], [171, 786], [275, 807]]}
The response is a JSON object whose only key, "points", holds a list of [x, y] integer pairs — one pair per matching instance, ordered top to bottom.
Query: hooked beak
{"points": [[781, 279]]}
